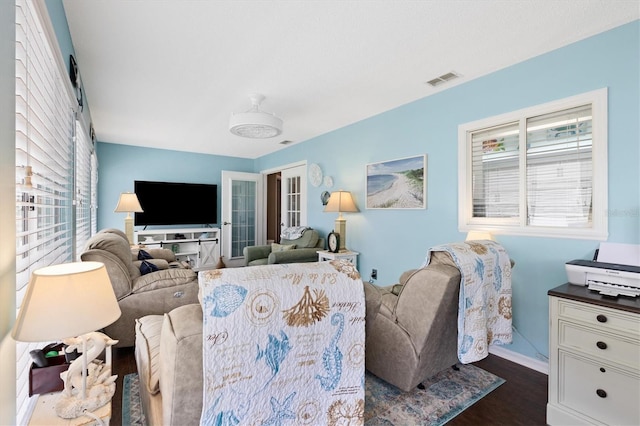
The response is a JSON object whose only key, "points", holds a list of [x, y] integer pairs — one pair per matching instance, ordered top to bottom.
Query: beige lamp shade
{"points": [[341, 201], [128, 203], [479, 235], [66, 300]]}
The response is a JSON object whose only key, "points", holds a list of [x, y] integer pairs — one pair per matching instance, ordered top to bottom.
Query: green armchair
{"points": [[305, 251]]}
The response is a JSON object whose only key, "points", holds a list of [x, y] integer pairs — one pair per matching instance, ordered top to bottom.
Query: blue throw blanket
{"points": [[484, 309]]}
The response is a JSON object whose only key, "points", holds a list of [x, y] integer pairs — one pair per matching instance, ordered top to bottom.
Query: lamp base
{"points": [[128, 228], [341, 229], [88, 385]]}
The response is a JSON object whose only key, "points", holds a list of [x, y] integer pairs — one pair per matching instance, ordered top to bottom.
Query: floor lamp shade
{"points": [[341, 201], [128, 203], [65, 301]]}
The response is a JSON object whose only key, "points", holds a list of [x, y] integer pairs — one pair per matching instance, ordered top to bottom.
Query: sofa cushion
{"points": [[275, 247], [155, 253], [257, 262], [148, 332]]}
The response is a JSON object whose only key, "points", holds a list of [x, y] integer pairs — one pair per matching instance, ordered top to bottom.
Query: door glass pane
{"points": [[293, 198], [243, 213]]}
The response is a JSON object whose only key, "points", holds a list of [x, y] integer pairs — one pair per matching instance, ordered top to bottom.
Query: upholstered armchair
{"points": [[297, 250], [157, 292], [411, 327]]}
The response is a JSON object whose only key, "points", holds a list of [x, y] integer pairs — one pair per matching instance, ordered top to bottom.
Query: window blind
{"points": [[44, 163], [559, 168], [495, 172], [83, 187]]}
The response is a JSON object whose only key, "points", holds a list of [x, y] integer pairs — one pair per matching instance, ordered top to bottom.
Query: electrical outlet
{"points": [[374, 274]]}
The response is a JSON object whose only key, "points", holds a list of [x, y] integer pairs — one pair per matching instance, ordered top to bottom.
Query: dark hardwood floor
{"points": [[521, 400]]}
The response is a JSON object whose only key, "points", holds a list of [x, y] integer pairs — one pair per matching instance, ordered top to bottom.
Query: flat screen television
{"points": [[173, 203]]}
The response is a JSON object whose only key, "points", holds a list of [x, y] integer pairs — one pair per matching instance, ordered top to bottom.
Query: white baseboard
{"points": [[533, 363]]}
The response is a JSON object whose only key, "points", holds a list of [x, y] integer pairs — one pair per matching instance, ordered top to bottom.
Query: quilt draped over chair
{"points": [[484, 304], [283, 343]]}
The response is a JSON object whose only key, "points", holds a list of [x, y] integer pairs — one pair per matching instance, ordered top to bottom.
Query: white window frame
{"points": [[599, 228]]}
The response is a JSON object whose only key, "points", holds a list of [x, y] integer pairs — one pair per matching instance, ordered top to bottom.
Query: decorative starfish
{"points": [[281, 412]]}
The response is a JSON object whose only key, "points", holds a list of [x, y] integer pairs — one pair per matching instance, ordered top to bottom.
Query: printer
{"points": [[614, 271]]}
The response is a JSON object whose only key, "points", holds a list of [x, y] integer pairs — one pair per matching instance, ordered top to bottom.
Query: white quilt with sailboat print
{"points": [[283, 344]]}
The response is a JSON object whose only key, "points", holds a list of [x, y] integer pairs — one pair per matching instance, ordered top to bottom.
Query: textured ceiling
{"points": [[168, 74]]}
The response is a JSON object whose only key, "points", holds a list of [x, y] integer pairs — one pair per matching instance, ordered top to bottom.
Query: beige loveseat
{"points": [[138, 295], [409, 337]]}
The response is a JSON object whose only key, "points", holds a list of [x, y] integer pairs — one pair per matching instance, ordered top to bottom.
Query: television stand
{"points": [[198, 246]]}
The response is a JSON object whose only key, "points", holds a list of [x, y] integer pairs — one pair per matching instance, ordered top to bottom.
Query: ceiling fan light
{"points": [[254, 123], [258, 125]]}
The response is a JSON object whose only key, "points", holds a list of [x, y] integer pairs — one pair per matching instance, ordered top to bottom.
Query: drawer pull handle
{"points": [[601, 318], [601, 345], [603, 370], [601, 393]]}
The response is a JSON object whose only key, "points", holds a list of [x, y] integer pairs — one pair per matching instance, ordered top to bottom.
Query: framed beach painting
{"points": [[397, 184]]}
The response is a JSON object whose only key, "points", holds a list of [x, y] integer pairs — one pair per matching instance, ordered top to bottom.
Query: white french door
{"points": [[294, 196], [242, 214]]}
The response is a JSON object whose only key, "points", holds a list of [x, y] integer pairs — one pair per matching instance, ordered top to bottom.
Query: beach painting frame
{"points": [[397, 184]]}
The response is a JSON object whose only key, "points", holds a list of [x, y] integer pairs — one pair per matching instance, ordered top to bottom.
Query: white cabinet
{"points": [[198, 246], [594, 358]]}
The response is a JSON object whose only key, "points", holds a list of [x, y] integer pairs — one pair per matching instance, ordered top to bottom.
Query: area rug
{"points": [[444, 396]]}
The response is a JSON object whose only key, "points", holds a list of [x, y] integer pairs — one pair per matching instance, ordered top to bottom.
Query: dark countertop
{"points": [[583, 294]]}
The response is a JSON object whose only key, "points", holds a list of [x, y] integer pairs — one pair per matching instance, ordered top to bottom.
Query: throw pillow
{"points": [[275, 247], [143, 255], [147, 267]]}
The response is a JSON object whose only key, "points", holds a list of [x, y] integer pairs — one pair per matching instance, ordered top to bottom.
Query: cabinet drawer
{"points": [[605, 319], [610, 347], [610, 396]]}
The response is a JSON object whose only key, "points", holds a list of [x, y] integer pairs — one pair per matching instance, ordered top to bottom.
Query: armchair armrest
{"points": [[156, 253], [252, 253], [294, 256], [162, 279]]}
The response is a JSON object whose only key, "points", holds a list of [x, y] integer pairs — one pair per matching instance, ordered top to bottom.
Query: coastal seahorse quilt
{"points": [[283, 345]]}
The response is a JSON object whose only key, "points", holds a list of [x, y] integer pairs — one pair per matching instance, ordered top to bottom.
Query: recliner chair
{"points": [[305, 251], [138, 295], [411, 327]]}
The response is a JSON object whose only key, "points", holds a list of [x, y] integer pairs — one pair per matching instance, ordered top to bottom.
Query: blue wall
{"points": [[120, 165], [393, 241]]}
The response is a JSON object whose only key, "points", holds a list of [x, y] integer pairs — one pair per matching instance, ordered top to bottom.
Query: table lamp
{"points": [[341, 201], [128, 203], [479, 235], [65, 301]]}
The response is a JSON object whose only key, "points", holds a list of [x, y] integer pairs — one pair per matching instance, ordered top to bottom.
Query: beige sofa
{"points": [[138, 295], [410, 336]]}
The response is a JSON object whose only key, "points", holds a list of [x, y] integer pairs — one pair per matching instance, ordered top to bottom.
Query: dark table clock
{"points": [[334, 242]]}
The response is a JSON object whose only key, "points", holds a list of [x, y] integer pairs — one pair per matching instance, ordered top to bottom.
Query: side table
{"points": [[351, 256], [45, 415]]}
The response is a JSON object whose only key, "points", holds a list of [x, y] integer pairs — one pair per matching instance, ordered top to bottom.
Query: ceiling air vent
{"points": [[443, 78]]}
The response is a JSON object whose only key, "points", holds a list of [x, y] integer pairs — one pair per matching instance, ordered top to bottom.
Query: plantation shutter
{"points": [[44, 166], [559, 169], [495, 172], [83, 187], [94, 192]]}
